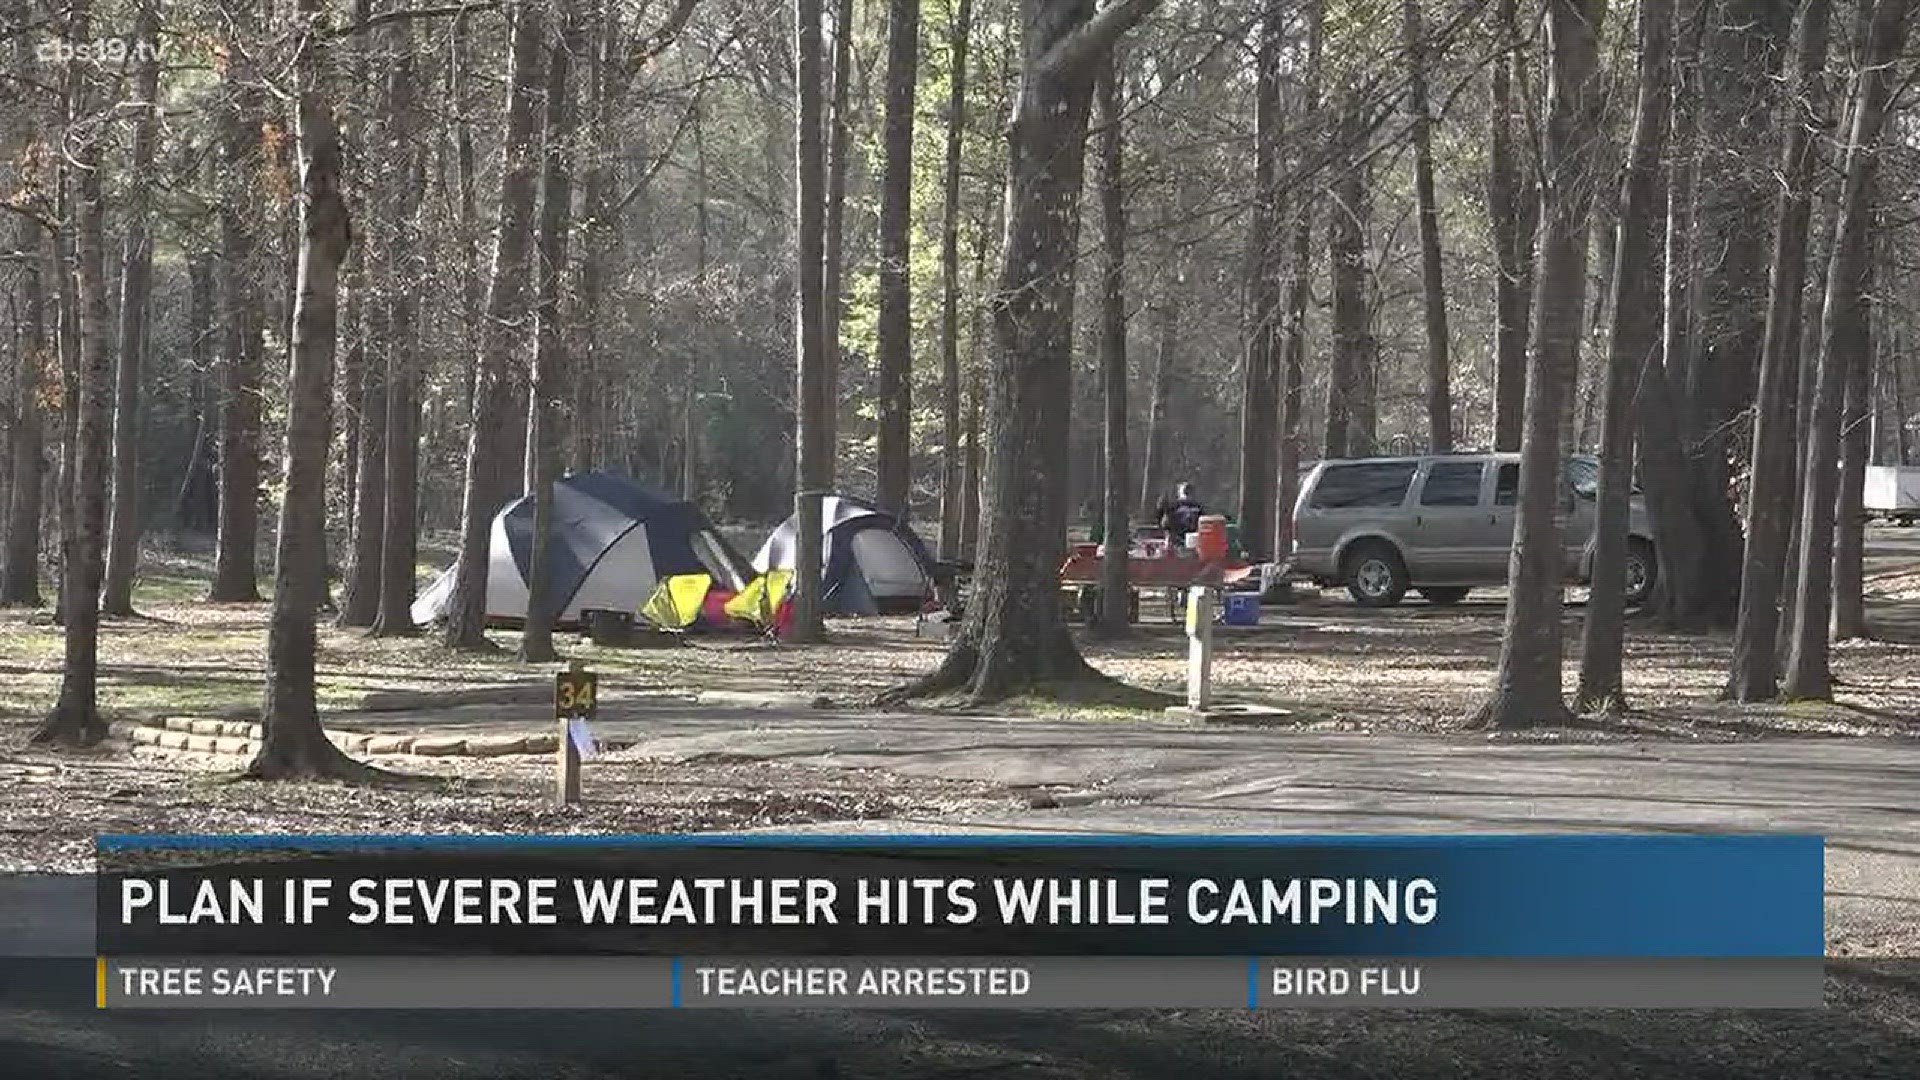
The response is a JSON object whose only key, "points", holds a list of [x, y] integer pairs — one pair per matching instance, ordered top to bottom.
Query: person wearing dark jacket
{"points": [[1179, 515]]}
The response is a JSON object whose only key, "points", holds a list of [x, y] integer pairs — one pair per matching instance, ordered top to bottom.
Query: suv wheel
{"points": [[1643, 571], [1375, 576]]}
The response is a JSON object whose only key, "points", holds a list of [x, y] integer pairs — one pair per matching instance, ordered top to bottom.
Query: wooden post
{"points": [[1199, 648], [575, 700]]}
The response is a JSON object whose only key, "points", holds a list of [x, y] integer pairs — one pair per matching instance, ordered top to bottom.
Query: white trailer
{"points": [[1892, 492]]}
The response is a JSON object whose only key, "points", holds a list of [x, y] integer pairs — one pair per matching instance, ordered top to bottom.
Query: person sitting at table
{"points": [[1179, 515]]}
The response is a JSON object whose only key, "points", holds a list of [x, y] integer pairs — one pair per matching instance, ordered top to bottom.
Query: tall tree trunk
{"points": [[838, 153], [1513, 208], [1827, 222], [63, 268], [136, 276], [1432, 281], [369, 282], [472, 288], [1299, 290], [1843, 337], [1633, 346], [1260, 386], [550, 393], [1350, 404], [894, 450], [1902, 454], [950, 455], [492, 457], [367, 461], [1153, 466], [811, 471], [1116, 477], [972, 481], [196, 504], [1850, 518], [1693, 526], [399, 541], [235, 560], [20, 567], [1013, 637], [1754, 675], [1527, 690], [75, 719], [292, 743]]}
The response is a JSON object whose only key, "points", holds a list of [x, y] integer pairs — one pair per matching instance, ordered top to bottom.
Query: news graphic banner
{"points": [[959, 921]]}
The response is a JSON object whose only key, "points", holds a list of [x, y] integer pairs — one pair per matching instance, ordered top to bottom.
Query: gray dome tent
{"points": [[613, 540], [871, 562]]}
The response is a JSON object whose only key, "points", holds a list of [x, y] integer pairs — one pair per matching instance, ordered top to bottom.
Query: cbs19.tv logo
{"points": [[103, 50]]}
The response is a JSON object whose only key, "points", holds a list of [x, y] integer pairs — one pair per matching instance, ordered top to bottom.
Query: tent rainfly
{"points": [[613, 541], [872, 563]]}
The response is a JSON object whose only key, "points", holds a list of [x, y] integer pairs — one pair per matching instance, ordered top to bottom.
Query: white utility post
{"points": [[1200, 605]]}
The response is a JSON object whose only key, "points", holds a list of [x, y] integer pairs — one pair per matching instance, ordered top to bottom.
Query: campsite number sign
{"points": [[575, 695]]}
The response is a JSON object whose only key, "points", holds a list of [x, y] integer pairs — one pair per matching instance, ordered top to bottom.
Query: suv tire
{"points": [[1643, 571], [1374, 574], [1444, 595]]}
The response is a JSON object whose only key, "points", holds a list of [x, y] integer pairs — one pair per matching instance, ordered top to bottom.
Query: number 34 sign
{"points": [[575, 695]]}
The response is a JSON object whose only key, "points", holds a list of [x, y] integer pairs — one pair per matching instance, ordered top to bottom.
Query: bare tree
{"points": [[838, 149], [1513, 207], [1266, 258], [136, 278], [1432, 279], [1299, 289], [1843, 337], [1633, 346], [894, 349], [550, 392], [1351, 400], [490, 454], [951, 462], [27, 465], [811, 471], [1850, 516], [399, 545], [235, 560], [1115, 590], [1012, 636], [1755, 669], [1527, 688], [75, 719], [292, 742]]}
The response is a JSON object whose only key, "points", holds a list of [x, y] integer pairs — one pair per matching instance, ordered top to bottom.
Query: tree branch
{"points": [[399, 14], [1096, 35], [657, 42]]}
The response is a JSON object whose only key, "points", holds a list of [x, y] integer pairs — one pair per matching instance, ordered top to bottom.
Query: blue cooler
{"points": [[1241, 609]]}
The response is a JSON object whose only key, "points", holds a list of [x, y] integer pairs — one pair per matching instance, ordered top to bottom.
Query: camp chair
{"points": [[676, 602], [765, 602]]}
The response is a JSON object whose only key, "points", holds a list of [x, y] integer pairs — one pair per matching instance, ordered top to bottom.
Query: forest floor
{"points": [[1332, 665], [1371, 741]]}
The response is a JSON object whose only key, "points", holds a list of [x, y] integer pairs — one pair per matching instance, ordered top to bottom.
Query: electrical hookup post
{"points": [[1200, 605], [576, 700]]}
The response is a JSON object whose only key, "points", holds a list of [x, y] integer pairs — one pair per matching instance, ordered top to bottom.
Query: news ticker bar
{"points": [[618, 982]]}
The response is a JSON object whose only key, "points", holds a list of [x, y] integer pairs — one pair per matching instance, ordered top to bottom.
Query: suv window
{"points": [[1452, 483], [1363, 484], [1506, 485]]}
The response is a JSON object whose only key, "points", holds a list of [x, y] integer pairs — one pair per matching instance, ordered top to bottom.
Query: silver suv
{"points": [[1441, 525]]}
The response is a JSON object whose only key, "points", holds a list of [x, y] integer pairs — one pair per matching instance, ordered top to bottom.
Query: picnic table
{"points": [[1173, 572]]}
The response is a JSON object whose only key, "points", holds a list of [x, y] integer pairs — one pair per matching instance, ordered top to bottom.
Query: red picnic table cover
{"points": [[1169, 570]]}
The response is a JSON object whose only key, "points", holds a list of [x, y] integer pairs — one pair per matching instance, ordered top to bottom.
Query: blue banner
{"points": [[1522, 896]]}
